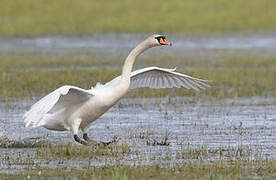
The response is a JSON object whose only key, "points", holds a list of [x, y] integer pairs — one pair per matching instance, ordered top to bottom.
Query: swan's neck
{"points": [[125, 81], [121, 88]]}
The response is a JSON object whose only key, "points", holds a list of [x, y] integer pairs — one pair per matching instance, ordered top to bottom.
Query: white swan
{"points": [[72, 108]]}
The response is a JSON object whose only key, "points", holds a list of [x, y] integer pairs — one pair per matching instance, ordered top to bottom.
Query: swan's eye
{"points": [[160, 37], [162, 40]]}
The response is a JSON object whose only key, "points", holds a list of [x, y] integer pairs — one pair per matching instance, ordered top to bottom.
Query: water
{"points": [[122, 43], [227, 123], [214, 124]]}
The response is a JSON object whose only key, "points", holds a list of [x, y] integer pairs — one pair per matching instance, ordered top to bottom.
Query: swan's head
{"points": [[158, 40]]}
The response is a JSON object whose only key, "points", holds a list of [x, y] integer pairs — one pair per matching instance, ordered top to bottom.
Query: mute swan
{"points": [[72, 108]]}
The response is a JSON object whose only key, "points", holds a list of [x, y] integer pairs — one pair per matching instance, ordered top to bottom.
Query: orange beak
{"points": [[164, 42]]}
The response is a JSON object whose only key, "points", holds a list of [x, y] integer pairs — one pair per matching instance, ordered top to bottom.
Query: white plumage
{"points": [[158, 78], [62, 98], [72, 108]]}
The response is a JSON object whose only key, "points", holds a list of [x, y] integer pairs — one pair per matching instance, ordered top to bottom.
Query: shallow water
{"points": [[122, 43], [188, 124], [213, 124]]}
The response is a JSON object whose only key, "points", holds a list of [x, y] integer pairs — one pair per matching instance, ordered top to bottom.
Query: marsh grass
{"points": [[185, 17], [16, 61], [231, 75], [5, 142], [68, 151], [199, 163], [216, 170]]}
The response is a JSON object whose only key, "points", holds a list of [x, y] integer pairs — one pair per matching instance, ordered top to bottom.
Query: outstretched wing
{"points": [[155, 77], [62, 97]]}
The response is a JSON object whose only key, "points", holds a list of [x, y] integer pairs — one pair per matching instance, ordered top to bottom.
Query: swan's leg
{"points": [[75, 128], [85, 131], [86, 138], [79, 140]]}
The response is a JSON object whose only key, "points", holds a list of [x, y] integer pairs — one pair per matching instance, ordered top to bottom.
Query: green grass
{"points": [[68, 17], [233, 75], [52, 151], [243, 162], [220, 169]]}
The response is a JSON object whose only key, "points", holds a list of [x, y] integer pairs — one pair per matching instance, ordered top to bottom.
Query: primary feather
{"points": [[156, 78], [63, 97]]}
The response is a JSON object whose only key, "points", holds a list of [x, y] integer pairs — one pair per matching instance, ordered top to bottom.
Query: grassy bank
{"points": [[67, 17], [234, 75]]}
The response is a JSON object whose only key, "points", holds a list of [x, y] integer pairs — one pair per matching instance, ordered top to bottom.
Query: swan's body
{"points": [[72, 108]]}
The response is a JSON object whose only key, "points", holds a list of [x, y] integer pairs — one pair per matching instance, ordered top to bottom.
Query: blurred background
{"points": [[67, 17], [210, 36], [45, 44]]}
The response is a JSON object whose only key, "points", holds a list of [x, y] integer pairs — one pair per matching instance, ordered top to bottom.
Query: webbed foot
{"points": [[79, 140], [92, 142]]}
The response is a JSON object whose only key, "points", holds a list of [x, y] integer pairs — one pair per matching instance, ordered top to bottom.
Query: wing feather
{"points": [[155, 77], [168, 82], [177, 82], [62, 97]]}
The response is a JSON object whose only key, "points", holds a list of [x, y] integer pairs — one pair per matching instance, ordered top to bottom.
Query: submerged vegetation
{"points": [[66, 17], [244, 149], [144, 154], [141, 155], [119, 161], [220, 169]]}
